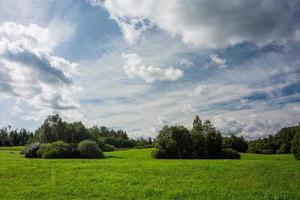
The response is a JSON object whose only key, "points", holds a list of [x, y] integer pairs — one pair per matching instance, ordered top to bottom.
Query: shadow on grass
{"points": [[106, 157]]}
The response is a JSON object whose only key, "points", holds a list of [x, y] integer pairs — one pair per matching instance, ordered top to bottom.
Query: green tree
{"points": [[53, 129], [198, 138], [213, 140], [174, 142], [236, 143], [296, 145]]}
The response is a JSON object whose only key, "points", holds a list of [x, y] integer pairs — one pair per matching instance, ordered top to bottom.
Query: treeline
{"points": [[55, 129], [14, 137], [56, 138], [203, 141], [284, 141]]}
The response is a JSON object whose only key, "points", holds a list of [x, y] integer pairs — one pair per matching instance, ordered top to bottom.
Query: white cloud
{"points": [[95, 2], [206, 23], [215, 60], [186, 63], [134, 67], [30, 72], [203, 90], [254, 128]]}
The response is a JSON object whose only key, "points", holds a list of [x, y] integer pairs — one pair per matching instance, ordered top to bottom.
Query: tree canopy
{"points": [[203, 141]]}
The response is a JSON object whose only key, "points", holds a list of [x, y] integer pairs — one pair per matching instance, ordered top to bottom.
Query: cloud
{"points": [[95, 2], [207, 23], [215, 60], [134, 67], [29, 70], [203, 90], [163, 121], [255, 127]]}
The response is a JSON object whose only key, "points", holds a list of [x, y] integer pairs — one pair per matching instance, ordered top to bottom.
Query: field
{"points": [[133, 174]]}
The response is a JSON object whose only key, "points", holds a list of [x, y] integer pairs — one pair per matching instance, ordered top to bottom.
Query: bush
{"points": [[296, 146], [107, 148], [58, 149], [90, 149], [253, 149], [31, 151], [268, 151], [158, 154], [230, 154]]}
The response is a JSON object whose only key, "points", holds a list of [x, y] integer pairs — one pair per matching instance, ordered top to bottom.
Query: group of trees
{"points": [[55, 129], [14, 137], [56, 138], [117, 139], [287, 140], [203, 141], [237, 143], [279, 143]]}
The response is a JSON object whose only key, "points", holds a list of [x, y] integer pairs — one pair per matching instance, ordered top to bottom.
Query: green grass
{"points": [[133, 174]]}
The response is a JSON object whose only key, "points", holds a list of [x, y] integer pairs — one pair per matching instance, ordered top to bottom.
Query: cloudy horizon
{"points": [[137, 65]]}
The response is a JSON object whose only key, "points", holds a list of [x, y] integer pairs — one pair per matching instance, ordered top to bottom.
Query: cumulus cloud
{"points": [[207, 23], [134, 67], [29, 71], [254, 128]]}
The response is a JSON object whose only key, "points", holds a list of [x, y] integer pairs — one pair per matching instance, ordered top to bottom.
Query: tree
{"points": [[53, 129], [75, 132], [10, 137], [284, 137], [198, 138], [213, 140], [204, 141], [174, 142], [236, 143], [279, 143], [296, 145]]}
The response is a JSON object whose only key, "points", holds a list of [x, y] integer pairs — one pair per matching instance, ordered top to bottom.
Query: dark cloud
{"points": [[41, 63]]}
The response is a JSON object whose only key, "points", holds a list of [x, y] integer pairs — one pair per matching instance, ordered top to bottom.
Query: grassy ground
{"points": [[132, 174]]}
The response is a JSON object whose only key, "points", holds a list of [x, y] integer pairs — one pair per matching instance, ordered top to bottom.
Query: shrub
{"points": [[296, 146], [107, 148], [58, 149], [90, 149], [253, 149], [31, 150], [268, 151], [158, 154], [230, 154]]}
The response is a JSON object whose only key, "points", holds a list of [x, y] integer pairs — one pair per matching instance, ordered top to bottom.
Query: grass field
{"points": [[133, 174]]}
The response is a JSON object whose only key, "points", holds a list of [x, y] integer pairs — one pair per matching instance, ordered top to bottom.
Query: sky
{"points": [[138, 65]]}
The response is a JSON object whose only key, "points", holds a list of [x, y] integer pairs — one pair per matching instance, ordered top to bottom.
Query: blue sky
{"points": [[138, 65]]}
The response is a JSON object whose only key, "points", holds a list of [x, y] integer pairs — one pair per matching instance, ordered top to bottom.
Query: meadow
{"points": [[133, 174]]}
